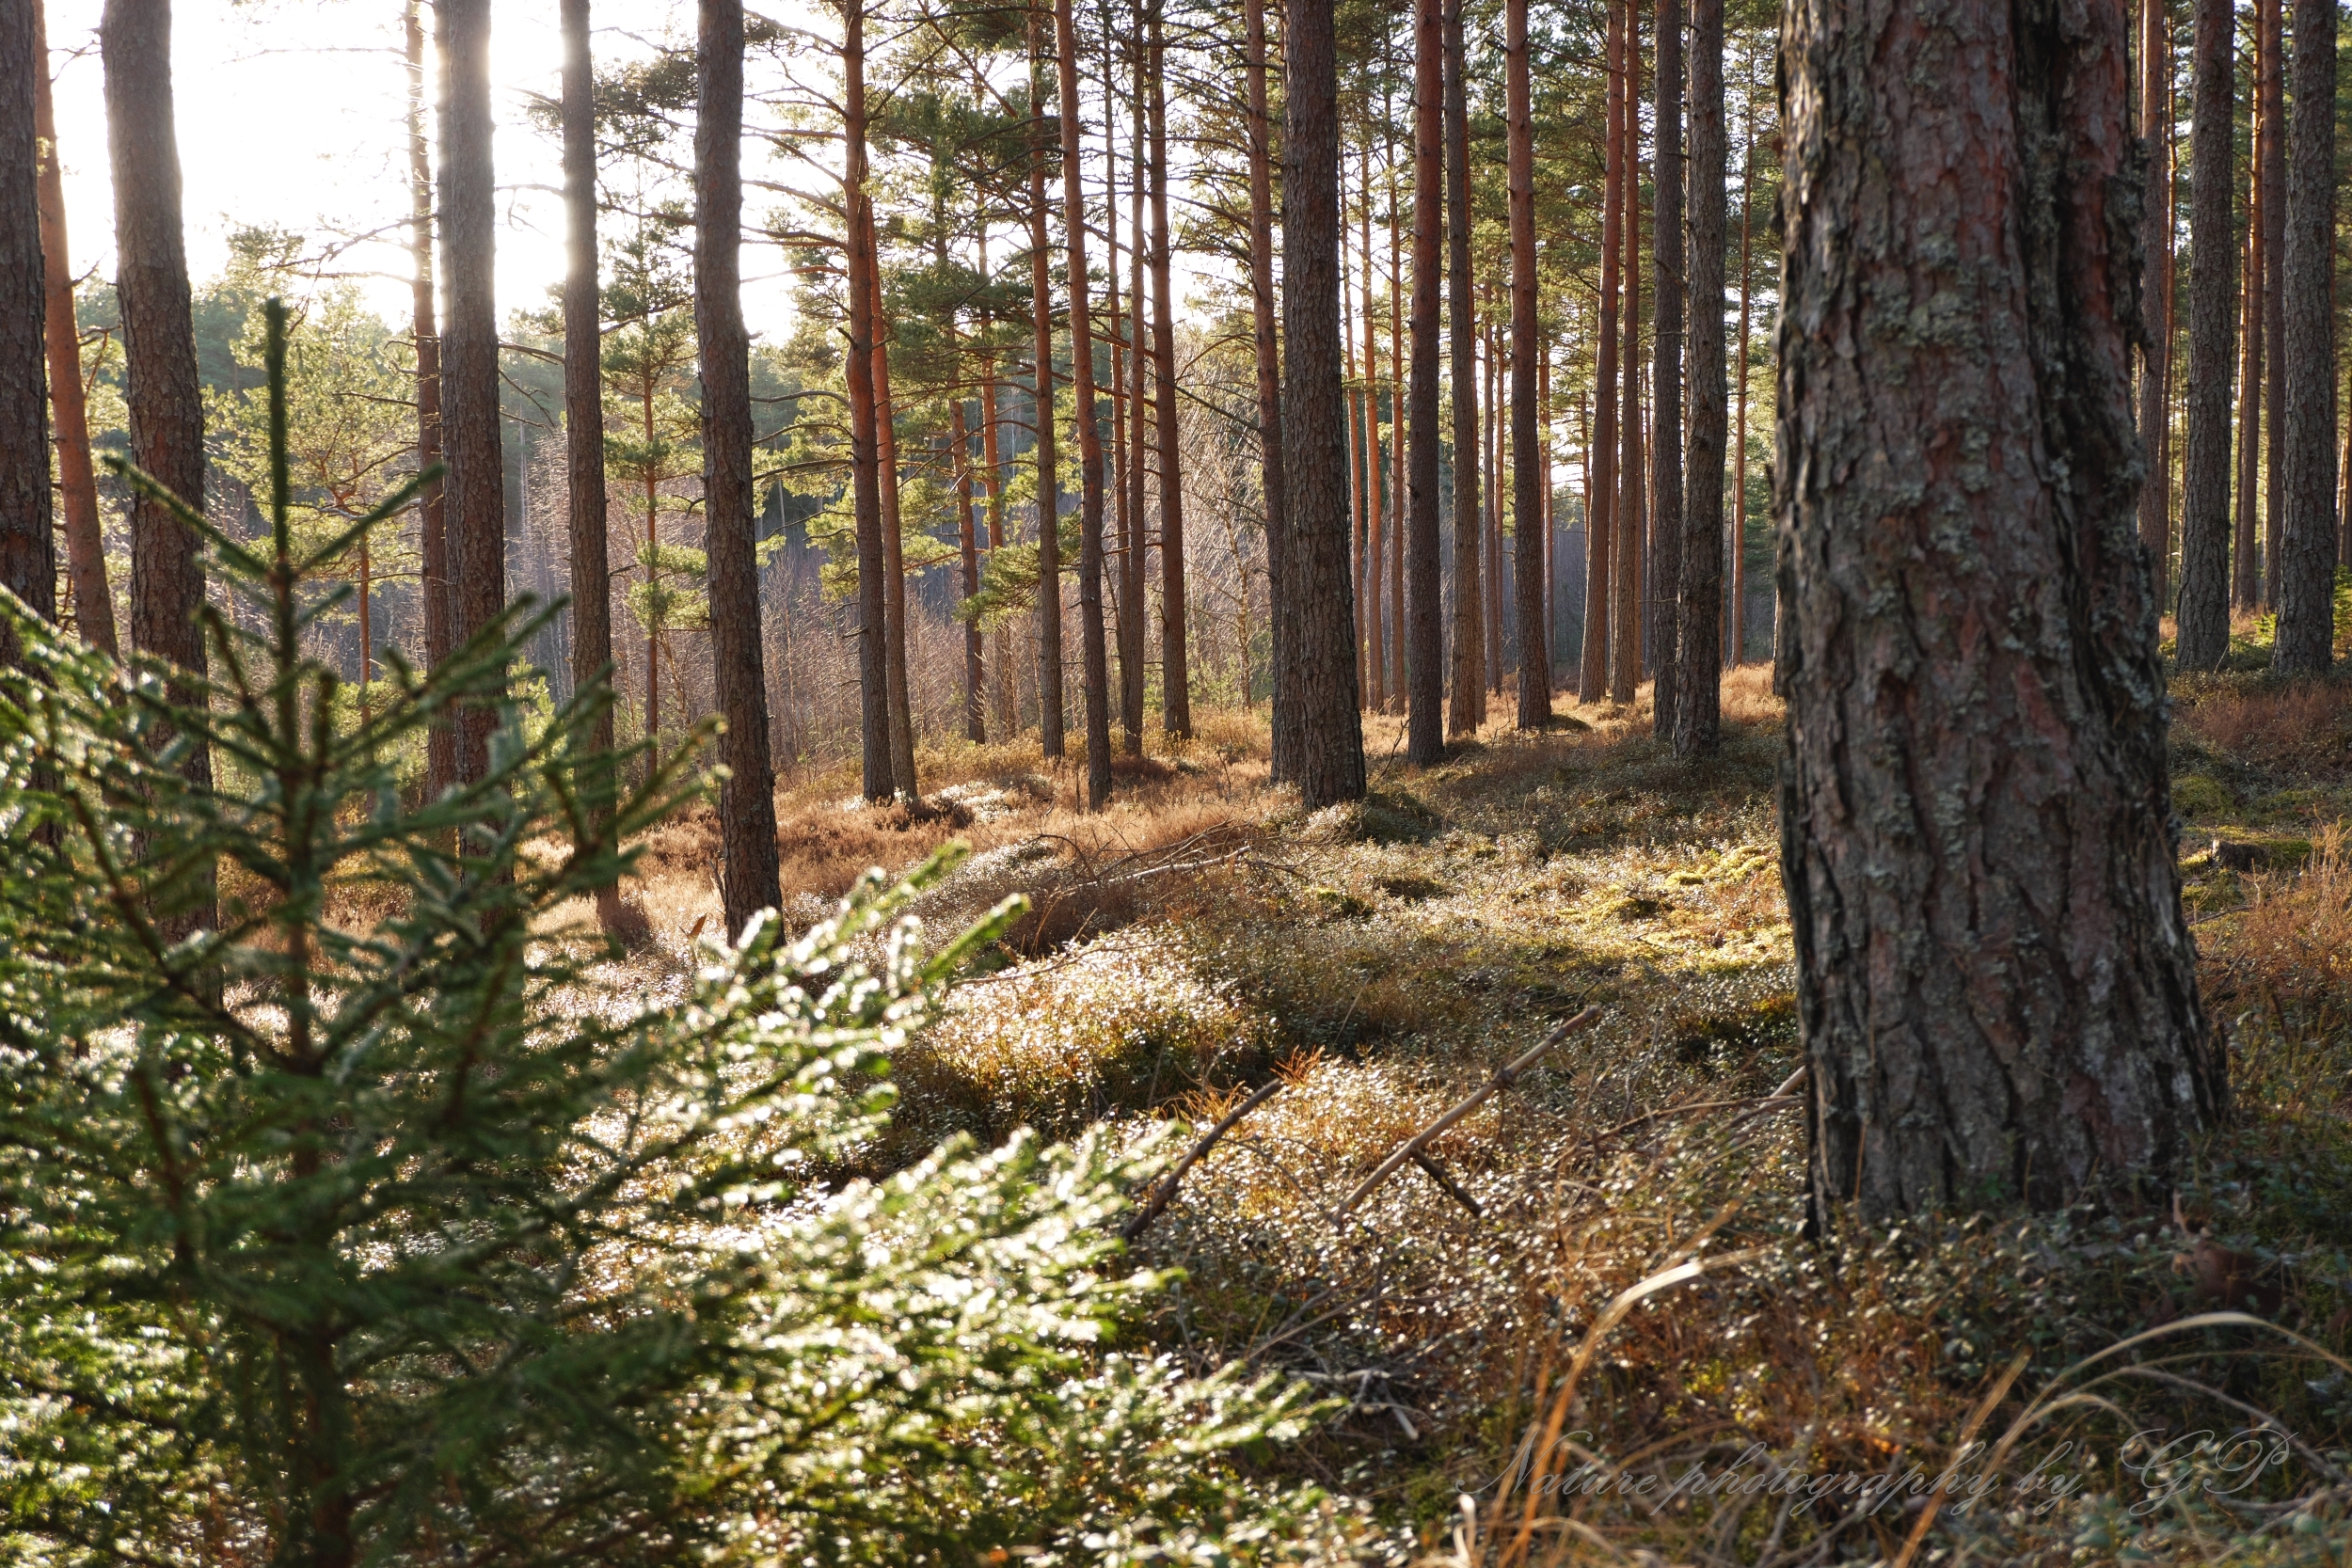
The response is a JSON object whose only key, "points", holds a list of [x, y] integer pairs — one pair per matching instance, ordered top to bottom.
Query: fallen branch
{"points": [[1504, 1077], [1429, 1167], [1166, 1190]]}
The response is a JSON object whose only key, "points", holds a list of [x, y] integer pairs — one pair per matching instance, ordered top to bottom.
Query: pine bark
{"points": [[2274, 221], [469, 369], [2156, 376], [583, 397], [166, 405], [1666, 446], [1272, 458], [77, 482], [1600, 510], [968, 544], [1135, 545], [1531, 545], [28, 549], [2307, 552], [894, 562], [1630, 575], [2205, 601], [1397, 633], [1092, 648], [1738, 652], [1175, 668], [1424, 674], [1049, 681], [1374, 683], [1698, 684], [1468, 710], [1331, 747], [440, 769], [878, 769], [747, 797], [1997, 986]]}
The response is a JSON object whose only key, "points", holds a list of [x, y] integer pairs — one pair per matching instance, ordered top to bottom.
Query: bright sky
{"points": [[292, 114]]}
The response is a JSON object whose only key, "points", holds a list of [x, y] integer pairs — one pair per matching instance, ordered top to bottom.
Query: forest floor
{"points": [[1203, 937]]}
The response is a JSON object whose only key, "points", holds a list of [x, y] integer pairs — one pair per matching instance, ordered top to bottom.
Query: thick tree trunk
{"points": [[2274, 222], [2155, 244], [425, 328], [159, 336], [1264, 340], [470, 371], [583, 398], [1666, 446], [77, 482], [1600, 513], [1531, 546], [28, 549], [2306, 553], [894, 559], [2246, 576], [2204, 602], [1096, 655], [1175, 668], [1424, 674], [1049, 683], [1698, 684], [1468, 710], [1331, 745], [879, 773], [747, 797], [1996, 988]]}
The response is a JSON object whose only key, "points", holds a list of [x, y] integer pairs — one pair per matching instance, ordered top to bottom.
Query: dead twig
{"points": [[1504, 1077], [1429, 1167], [1167, 1189]]}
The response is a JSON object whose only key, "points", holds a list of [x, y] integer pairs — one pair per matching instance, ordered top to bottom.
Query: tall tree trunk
{"points": [[2155, 125], [2274, 222], [159, 336], [1265, 345], [470, 371], [583, 402], [1665, 447], [1601, 456], [1126, 471], [77, 482], [1490, 495], [967, 541], [1531, 544], [29, 546], [2245, 553], [2307, 555], [894, 559], [1132, 564], [1630, 576], [2204, 602], [1397, 632], [1738, 651], [1096, 655], [1175, 668], [1049, 682], [1698, 684], [1375, 685], [1468, 710], [1008, 718], [1330, 725], [1425, 743], [440, 770], [879, 771], [747, 797], [1996, 988]]}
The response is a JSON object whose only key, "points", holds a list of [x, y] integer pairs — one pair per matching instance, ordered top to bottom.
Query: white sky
{"points": [[292, 114]]}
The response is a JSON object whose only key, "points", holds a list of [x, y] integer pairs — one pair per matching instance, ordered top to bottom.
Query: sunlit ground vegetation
{"points": [[1381, 960]]}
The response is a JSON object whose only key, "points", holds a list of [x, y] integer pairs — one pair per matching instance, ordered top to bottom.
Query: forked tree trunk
{"points": [[470, 371], [583, 400], [1665, 447], [1272, 461], [77, 482], [1600, 511], [1530, 541], [29, 549], [2306, 553], [2204, 602], [1698, 635], [1093, 650], [1175, 670], [1425, 674], [1049, 682], [1468, 710], [1331, 746], [441, 768], [877, 772], [747, 797], [1996, 988]]}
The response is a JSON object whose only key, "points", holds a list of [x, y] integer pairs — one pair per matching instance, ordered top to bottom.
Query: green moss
{"points": [[2202, 795]]}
